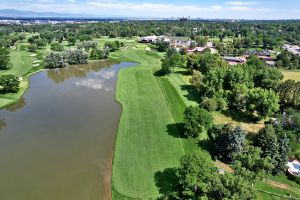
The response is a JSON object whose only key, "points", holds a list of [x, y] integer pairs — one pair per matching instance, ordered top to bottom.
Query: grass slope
{"points": [[22, 66], [291, 74], [146, 142]]}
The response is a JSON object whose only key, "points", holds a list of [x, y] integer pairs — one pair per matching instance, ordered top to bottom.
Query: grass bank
{"points": [[24, 64]]}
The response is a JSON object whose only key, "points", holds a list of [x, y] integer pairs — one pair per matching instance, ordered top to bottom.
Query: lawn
{"points": [[22, 66], [291, 74], [147, 140]]}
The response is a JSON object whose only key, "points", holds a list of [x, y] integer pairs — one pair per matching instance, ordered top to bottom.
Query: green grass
{"points": [[22, 66], [291, 74], [147, 140]]}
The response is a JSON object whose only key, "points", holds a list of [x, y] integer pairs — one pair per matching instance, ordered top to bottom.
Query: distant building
{"points": [[183, 19], [153, 39], [292, 48], [201, 50], [234, 60]]}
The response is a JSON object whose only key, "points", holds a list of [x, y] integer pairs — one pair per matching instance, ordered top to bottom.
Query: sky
{"points": [[212, 9]]}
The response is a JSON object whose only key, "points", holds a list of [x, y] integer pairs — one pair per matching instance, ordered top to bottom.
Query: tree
{"points": [[85, 37], [32, 39], [72, 40], [201, 41], [40, 43], [87, 45], [162, 45], [55, 46], [32, 48], [171, 52], [99, 54], [77, 56], [4, 59], [55, 60], [209, 62], [256, 62], [169, 63], [267, 78], [196, 80], [9, 84], [289, 94], [262, 102], [196, 120], [228, 141], [273, 145], [252, 160], [193, 174], [197, 179]]}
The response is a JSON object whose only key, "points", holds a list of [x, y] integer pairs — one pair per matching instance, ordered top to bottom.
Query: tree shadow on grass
{"points": [[159, 73], [185, 73], [192, 94], [239, 116], [176, 130], [206, 145], [166, 180]]}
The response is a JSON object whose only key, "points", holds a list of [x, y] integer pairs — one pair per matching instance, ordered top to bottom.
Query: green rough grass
{"points": [[22, 66], [291, 74], [151, 106]]}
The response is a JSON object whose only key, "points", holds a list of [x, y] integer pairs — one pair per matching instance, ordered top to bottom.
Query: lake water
{"points": [[56, 143]]}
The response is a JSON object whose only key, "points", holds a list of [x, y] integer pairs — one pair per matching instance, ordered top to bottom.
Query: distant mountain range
{"points": [[11, 13]]}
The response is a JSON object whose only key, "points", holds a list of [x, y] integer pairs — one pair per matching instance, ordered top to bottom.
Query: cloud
{"points": [[240, 3], [239, 8], [95, 84]]}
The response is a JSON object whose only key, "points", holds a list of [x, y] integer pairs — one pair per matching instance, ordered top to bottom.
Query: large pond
{"points": [[56, 143]]}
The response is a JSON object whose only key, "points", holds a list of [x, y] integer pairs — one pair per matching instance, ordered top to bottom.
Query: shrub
{"points": [[55, 46], [32, 48], [99, 54], [9, 84]]}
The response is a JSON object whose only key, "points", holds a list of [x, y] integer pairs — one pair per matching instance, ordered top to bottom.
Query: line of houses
{"points": [[264, 55]]}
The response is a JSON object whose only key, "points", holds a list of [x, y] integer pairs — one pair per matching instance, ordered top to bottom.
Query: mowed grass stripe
{"points": [[143, 145]]}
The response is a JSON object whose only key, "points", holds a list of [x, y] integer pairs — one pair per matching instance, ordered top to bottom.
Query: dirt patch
{"points": [[224, 166], [277, 184]]}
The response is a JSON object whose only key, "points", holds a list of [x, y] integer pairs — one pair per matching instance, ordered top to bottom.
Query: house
{"points": [[153, 39], [294, 49], [201, 50], [234, 60], [269, 60], [294, 167]]}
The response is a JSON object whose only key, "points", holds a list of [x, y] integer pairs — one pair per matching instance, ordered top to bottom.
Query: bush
{"points": [[55, 46], [32, 48], [99, 54], [55, 60], [9, 84]]}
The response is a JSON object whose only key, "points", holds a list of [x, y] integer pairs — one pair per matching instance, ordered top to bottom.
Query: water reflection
{"points": [[78, 71], [16, 106], [2, 124]]}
